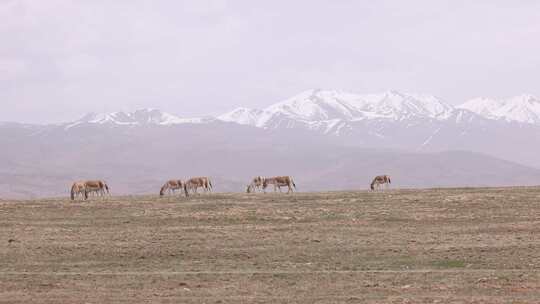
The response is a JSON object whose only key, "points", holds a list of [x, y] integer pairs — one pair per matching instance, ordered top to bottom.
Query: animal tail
{"points": [[210, 184], [294, 185], [372, 186], [106, 188], [185, 190]]}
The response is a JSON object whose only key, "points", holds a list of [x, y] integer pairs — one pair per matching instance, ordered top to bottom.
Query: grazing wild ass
{"points": [[380, 180], [278, 182], [195, 183], [256, 184], [171, 186], [85, 187]]}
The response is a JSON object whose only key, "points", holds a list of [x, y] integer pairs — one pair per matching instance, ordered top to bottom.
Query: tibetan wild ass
{"points": [[380, 180], [278, 182], [195, 183], [256, 184], [171, 186], [86, 187]]}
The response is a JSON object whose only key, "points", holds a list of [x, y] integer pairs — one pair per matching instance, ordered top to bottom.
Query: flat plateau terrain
{"points": [[399, 246]]}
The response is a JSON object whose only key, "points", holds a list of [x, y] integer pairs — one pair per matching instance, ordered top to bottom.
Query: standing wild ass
{"points": [[380, 180], [278, 182], [195, 183], [256, 184], [171, 186], [85, 187]]}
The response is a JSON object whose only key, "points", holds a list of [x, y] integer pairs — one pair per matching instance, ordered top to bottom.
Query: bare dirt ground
{"points": [[414, 246]]}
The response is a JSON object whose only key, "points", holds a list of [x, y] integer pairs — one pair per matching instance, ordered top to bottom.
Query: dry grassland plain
{"points": [[398, 246]]}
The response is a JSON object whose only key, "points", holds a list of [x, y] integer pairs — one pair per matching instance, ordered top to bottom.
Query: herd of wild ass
{"points": [[258, 184]]}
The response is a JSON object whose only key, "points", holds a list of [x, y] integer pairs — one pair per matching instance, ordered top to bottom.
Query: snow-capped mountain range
{"points": [[319, 106], [523, 108], [330, 111], [139, 117], [392, 119], [396, 120]]}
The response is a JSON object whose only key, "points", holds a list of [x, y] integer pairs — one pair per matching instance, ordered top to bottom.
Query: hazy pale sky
{"points": [[60, 59]]}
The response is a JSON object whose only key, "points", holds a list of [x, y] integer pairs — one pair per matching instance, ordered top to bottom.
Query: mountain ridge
{"points": [[523, 108], [319, 109], [388, 120]]}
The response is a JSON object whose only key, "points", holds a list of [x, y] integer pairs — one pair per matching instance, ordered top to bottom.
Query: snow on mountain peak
{"points": [[524, 100], [314, 105], [398, 106], [485, 107], [315, 108], [523, 108], [332, 109], [147, 116], [243, 116]]}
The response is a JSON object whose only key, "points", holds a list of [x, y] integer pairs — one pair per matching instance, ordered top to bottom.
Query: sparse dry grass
{"points": [[425, 246]]}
